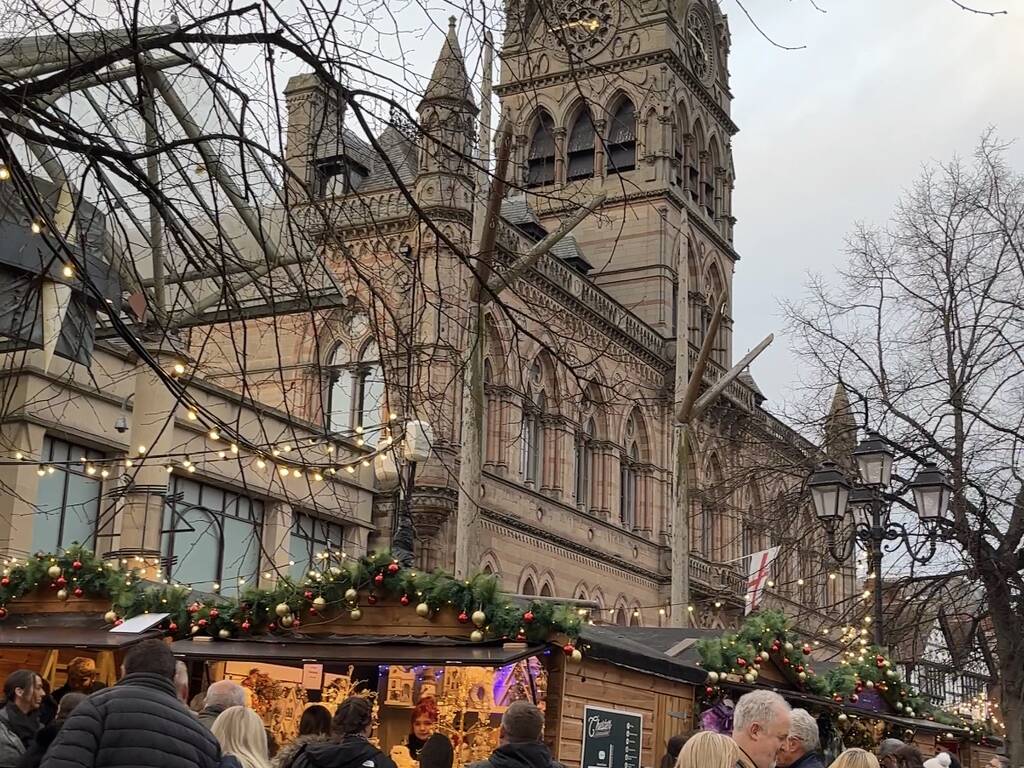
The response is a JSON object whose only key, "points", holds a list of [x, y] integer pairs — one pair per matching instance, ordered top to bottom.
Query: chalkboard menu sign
{"points": [[611, 739]]}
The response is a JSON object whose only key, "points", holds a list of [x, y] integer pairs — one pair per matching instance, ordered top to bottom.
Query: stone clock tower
{"points": [[631, 98]]}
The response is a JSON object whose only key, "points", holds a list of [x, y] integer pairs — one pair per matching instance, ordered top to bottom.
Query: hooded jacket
{"points": [[139, 721], [351, 752], [287, 754], [525, 754]]}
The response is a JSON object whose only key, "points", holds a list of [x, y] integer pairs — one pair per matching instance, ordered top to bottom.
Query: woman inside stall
{"points": [[423, 723]]}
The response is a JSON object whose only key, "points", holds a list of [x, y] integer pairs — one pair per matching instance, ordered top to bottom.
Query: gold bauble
{"points": [[54, 571], [62, 594], [351, 595], [319, 603], [282, 609], [423, 610], [355, 614], [110, 617], [479, 618], [287, 620], [224, 634], [476, 636], [576, 656], [713, 678]]}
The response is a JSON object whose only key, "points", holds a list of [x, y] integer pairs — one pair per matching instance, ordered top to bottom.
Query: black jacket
{"points": [[137, 722], [351, 752], [527, 754], [34, 756], [810, 760]]}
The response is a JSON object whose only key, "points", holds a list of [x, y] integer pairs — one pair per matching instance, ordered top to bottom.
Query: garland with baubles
{"points": [[334, 588], [768, 637]]}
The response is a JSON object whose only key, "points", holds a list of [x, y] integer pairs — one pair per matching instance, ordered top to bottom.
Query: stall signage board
{"points": [[312, 676], [611, 738]]}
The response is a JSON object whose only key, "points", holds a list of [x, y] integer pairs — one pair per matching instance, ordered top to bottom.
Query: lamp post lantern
{"points": [[870, 501]]}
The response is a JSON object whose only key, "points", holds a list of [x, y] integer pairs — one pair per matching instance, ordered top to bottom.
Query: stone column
{"points": [[560, 156], [152, 435], [20, 483]]}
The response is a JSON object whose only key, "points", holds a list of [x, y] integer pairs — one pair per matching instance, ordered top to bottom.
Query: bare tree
{"points": [[925, 328]]}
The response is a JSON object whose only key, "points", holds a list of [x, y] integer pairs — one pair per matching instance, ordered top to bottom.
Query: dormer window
{"points": [[338, 176]]}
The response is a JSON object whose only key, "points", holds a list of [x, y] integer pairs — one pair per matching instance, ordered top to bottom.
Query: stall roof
{"points": [[69, 637], [344, 650], [664, 652]]}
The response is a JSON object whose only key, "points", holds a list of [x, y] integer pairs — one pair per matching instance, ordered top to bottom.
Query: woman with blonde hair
{"points": [[242, 736], [708, 749], [855, 758]]}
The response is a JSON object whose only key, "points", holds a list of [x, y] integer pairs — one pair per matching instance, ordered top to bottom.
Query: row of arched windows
{"points": [[580, 151]]}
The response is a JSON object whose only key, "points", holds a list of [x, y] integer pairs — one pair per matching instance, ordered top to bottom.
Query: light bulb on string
{"points": [[5, 172], [36, 226], [68, 271], [178, 369], [192, 415], [213, 434], [234, 448], [260, 463], [192, 469], [350, 469], [41, 470], [283, 471], [296, 473]]}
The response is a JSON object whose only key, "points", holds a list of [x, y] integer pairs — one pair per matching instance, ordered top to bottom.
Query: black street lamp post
{"points": [[871, 501]]}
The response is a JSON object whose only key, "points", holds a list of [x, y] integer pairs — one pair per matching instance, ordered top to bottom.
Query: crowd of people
{"points": [[143, 720], [768, 733]]}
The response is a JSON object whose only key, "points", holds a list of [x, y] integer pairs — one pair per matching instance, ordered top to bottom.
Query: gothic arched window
{"points": [[622, 138], [581, 148], [540, 162], [369, 394], [339, 398], [488, 418], [533, 437], [584, 470], [627, 486], [529, 587]]}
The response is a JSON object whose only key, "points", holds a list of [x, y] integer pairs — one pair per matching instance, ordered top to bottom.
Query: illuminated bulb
{"points": [[5, 172], [37, 226], [68, 271], [179, 369], [192, 415], [392, 417], [359, 430], [214, 434], [360, 441], [234, 448], [285, 448], [141, 449], [330, 449], [275, 452], [222, 454], [19, 456], [186, 462], [366, 462], [129, 463], [260, 463], [192, 468], [168, 469], [350, 469], [50, 470], [90, 470], [41, 471], [283, 471], [332, 471], [104, 473], [296, 473], [317, 476], [832, 576], [800, 582], [771, 583], [216, 586], [866, 594], [718, 604], [689, 608], [661, 612], [867, 619]]}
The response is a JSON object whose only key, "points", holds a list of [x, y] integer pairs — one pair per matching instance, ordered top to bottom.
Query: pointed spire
{"points": [[449, 81], [840, 428]]}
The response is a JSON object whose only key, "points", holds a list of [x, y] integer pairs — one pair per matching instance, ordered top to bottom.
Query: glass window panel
{"points": [[339, 405], [68, 500], [81, 509], [47, 517], [196, 551], [241, 553]]}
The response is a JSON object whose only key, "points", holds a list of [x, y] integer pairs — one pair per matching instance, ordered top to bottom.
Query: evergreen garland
{"points": [[334, 587], [767, 636]]}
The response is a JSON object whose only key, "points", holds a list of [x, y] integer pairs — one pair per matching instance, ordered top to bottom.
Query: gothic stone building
{"points": [[631, 99]]}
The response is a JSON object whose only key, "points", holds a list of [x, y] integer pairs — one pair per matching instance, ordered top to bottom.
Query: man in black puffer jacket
{"points": [[139, 721], [519, 740]]}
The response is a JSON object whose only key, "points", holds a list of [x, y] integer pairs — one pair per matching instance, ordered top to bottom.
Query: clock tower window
{"points": [[622, 139], [581, 148], [540, 162]]}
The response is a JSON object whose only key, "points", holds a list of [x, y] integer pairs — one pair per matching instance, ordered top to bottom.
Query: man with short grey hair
{"points": [[220, 696], [760, 726], [802, 744]]}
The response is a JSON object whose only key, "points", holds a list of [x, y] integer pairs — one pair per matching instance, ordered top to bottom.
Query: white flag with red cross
{"points": [[760, 567]]}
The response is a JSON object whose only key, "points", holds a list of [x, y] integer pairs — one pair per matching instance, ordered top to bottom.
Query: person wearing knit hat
{"points": [[82, 678], [941, 760]]}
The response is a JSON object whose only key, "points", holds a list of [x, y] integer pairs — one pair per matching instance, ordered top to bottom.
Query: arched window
{"points": [[622, 138], [581, 148], [540, 162], [369, 394], [339, 400], [488, 418], [533, 437], [584, 464], [627, 486], [529, 587], [545, 591], [620, 617], [634, 618]]}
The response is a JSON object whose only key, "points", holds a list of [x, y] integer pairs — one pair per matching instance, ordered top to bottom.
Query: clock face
{"points": [[581, 28], [700, 45]]}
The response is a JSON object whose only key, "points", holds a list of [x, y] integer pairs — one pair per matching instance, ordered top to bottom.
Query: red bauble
{"points": [[77, 565], [393, 568], [378, 579], [61, 581], [4, 582], [78, 592], [308, 595], [371, 599], [404, 599], [193, 608], [312, 611], [3, 612], [214, 613], [528, 617], [463, 618], [119, 622], [201, 623], [296, 623], [245, 626], [271, 626], [172, 627], [520, 638], [568, 648], [807, 650], [879, 658], [786, 661], [741, 662], [799, 668], [709, 690], [837, 697], [854, 698]]}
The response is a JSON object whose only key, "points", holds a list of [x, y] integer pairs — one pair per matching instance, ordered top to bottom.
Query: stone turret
{"points": [[840, 429]]}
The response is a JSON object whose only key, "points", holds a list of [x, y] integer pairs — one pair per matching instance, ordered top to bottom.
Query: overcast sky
{"points": [[831, 134]]}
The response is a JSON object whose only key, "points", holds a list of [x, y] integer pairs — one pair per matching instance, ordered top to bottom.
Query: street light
{"points": [[871, 501]]}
